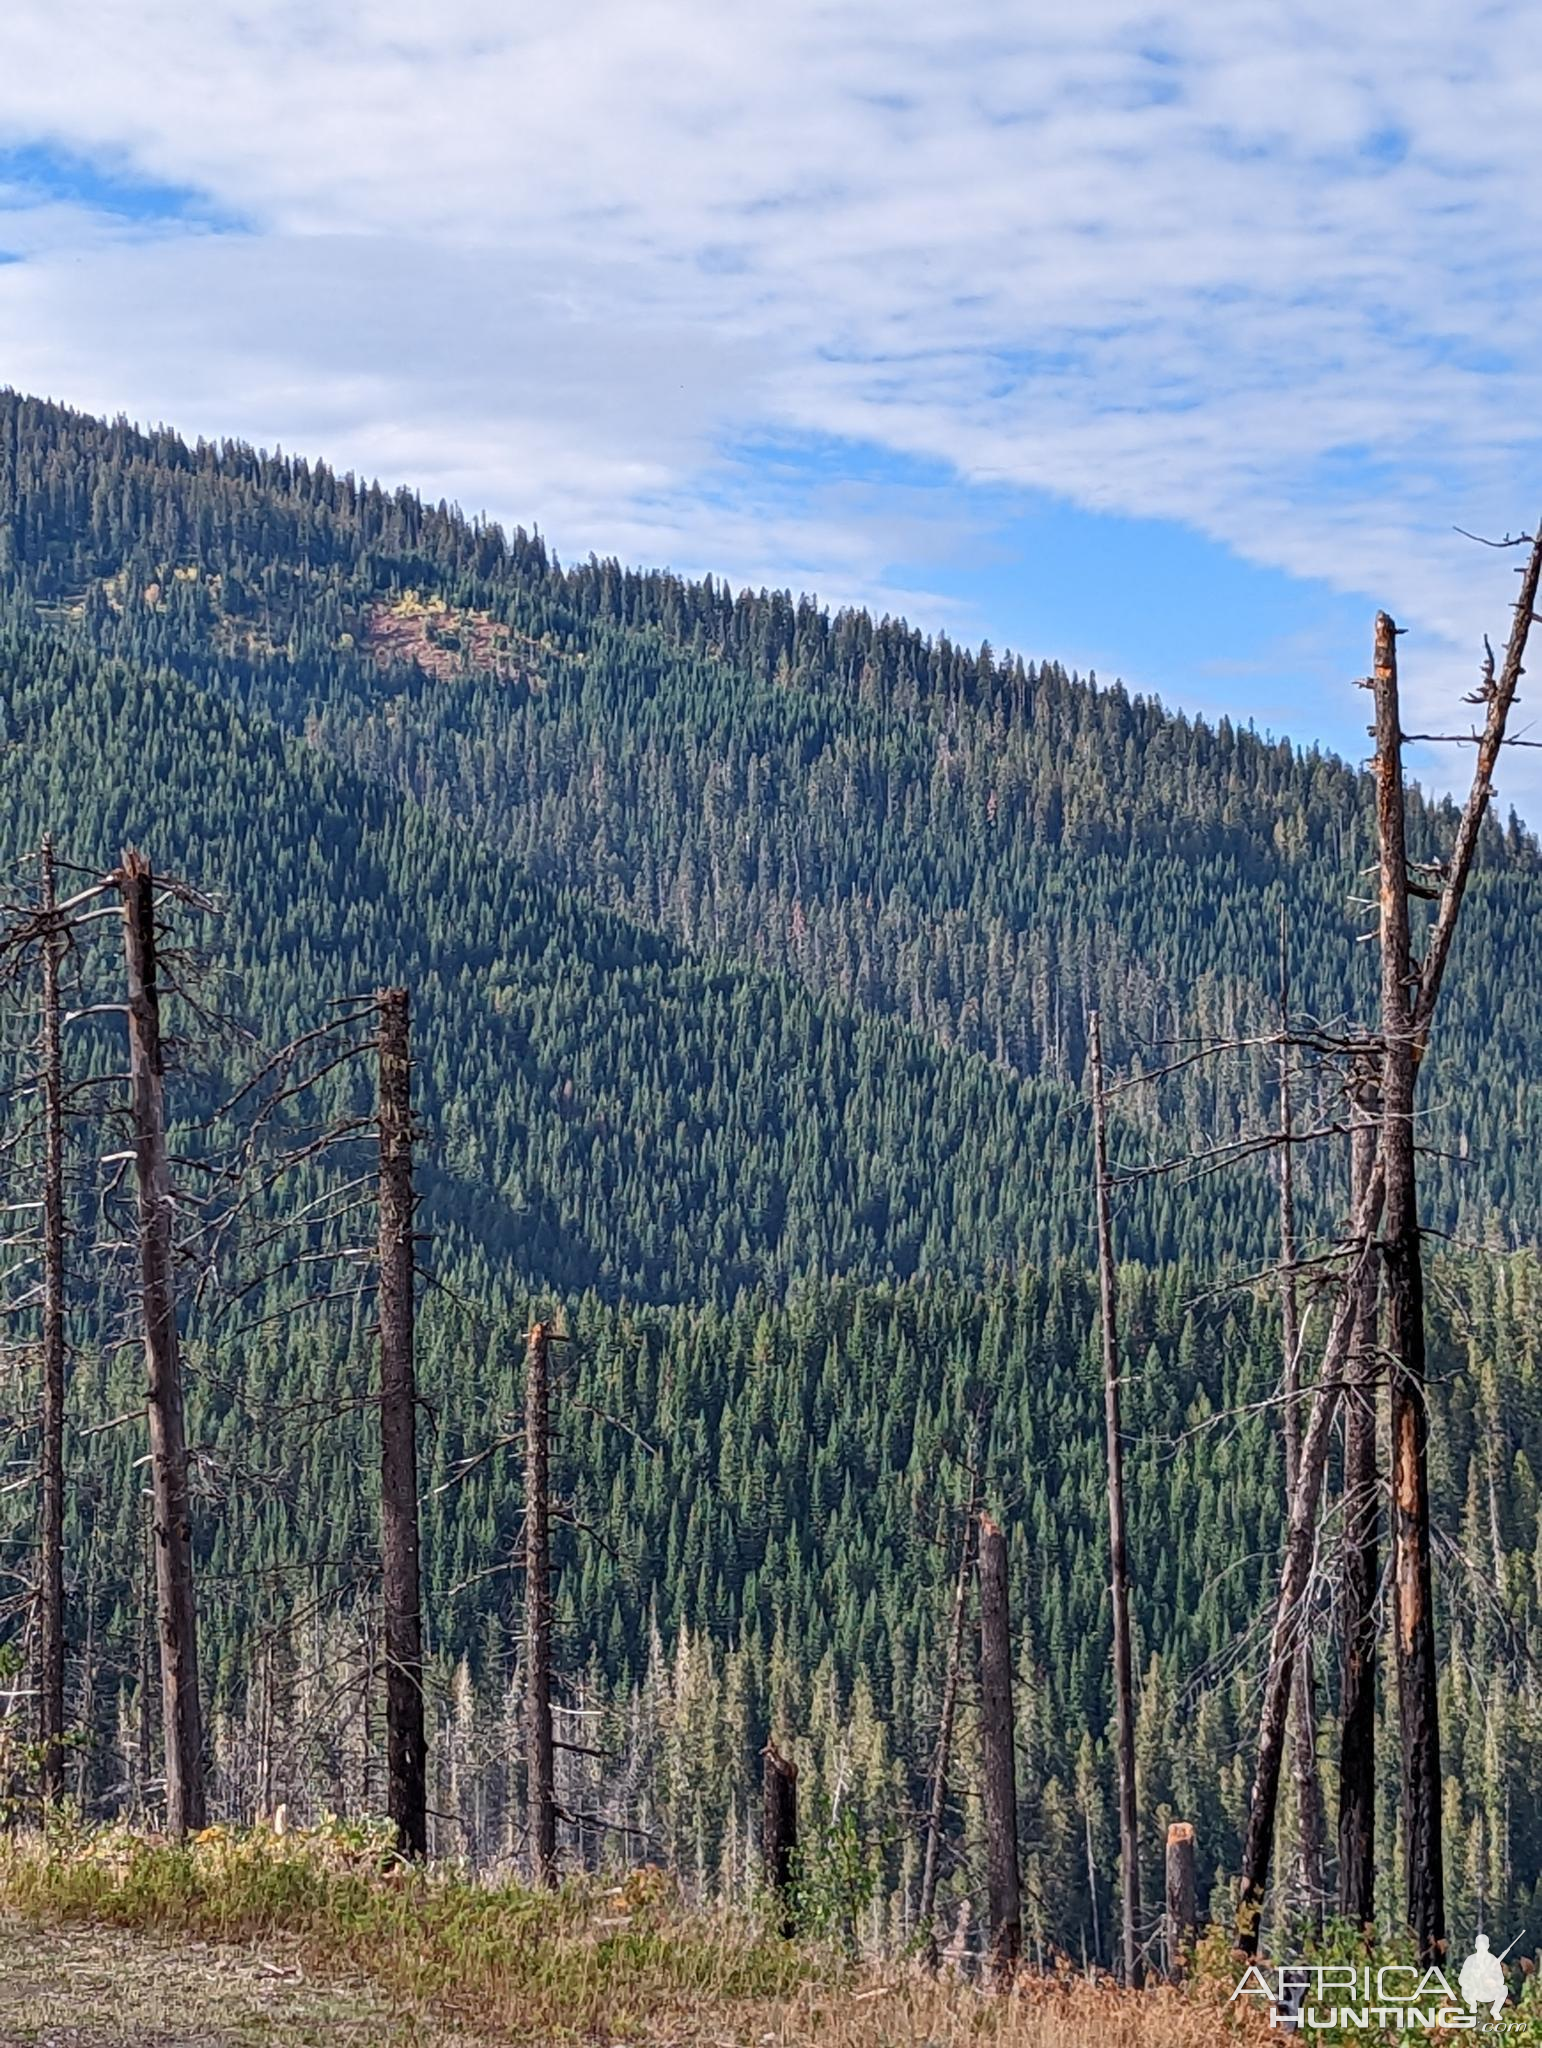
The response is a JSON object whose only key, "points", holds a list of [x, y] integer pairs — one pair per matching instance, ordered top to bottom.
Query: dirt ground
{"points": [[93, 1988]]}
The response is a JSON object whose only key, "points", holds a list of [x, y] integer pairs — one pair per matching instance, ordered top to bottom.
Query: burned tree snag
{"points": [[1498, 694], [51, 1545], [1362, 1559], [1295, 1576], [175, 1605], [1413, 1619], [1124, 1684], [406, 1756], [998, 1756], [540, 1781], [937, 1811], [779, 1832], [1309, 1867], [1182, 1896]]}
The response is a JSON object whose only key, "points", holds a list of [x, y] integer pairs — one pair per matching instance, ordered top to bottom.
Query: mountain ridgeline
{"points": [[750, 950]]}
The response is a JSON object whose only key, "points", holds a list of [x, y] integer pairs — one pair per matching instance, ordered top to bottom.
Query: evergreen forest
{"points": [[751, 949]]}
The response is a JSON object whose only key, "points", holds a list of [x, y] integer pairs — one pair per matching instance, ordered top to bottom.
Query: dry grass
{"points": [[321, 1937], [906, 2007]]}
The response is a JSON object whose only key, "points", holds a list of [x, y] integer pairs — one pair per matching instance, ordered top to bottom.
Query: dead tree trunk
{"points": [[1300, 1539], [51, 1544], [1362, 1562], [400, 1563], [1295, 1576], [175, 1605], [1413, 1618], [1124, 1684], [998, 1754], [540, 1780], [939, 1801], [779, 1832], [1309, 1863], [1182, 1896]]}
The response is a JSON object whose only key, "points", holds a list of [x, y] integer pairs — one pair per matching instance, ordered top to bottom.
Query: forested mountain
{"points": [[981, 847], [750, 951]]}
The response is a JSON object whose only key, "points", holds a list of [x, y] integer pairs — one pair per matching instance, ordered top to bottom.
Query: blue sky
{"points": [[36, 175], [1168, 341], [1148, 600]]}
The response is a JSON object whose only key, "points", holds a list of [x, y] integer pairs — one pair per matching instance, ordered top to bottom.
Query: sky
{"points": [[1170, 342]]}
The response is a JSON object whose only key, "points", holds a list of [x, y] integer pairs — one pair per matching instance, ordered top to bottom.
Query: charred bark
{"points": [[51, 1532], [400, 1542], [175, 1605], [1413, 1616], [779, 1833]]}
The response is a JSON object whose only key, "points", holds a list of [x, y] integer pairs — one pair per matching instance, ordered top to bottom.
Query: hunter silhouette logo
{"points": [[1482, 1977]]}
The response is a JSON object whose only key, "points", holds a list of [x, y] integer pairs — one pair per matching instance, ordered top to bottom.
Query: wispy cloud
{"points": [[1267, 269]]}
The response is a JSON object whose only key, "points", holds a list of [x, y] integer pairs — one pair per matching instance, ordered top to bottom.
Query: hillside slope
{"points": [[977, 847]]}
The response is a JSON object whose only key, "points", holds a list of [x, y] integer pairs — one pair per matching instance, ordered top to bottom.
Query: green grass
{"points": [[590, 1962]]}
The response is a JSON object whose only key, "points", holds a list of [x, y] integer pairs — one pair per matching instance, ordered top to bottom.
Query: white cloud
{"points": [[1269, 269]]}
